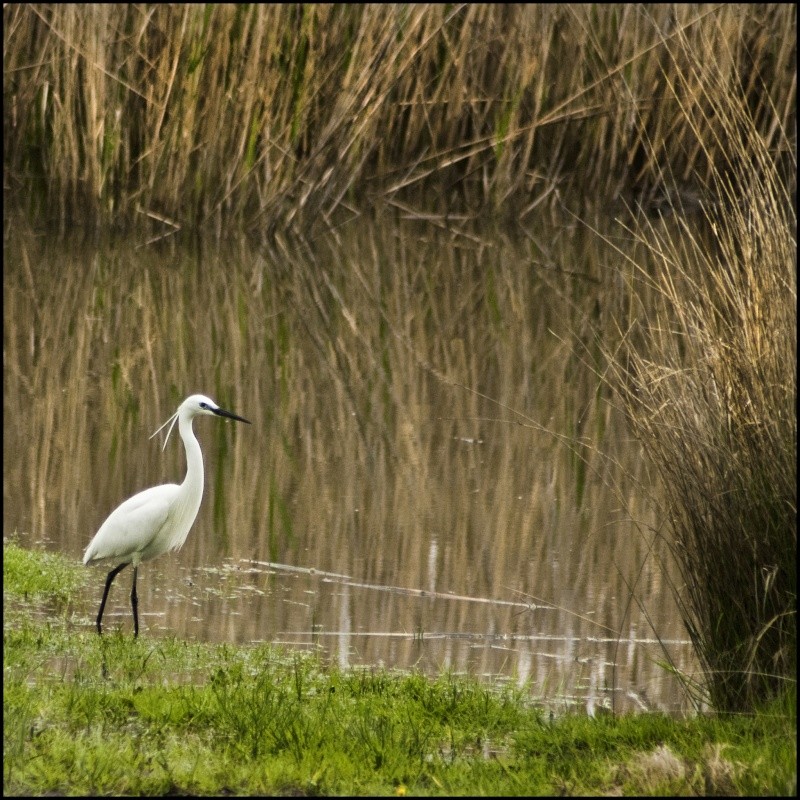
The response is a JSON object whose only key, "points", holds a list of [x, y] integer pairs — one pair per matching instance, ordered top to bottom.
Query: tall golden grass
{"points": [[266, 115], [708, 374]]}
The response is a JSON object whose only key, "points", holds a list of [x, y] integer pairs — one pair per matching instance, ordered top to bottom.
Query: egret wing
{"points": [[133, 525]]}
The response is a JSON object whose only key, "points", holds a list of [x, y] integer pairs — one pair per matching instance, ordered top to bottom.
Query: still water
{"points": [[435, 478]]}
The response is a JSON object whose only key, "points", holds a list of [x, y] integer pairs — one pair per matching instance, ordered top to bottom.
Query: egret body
{"points": [[158, 519]]}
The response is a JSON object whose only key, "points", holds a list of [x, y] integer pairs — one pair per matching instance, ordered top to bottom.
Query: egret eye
{"points": [[204, 405]]}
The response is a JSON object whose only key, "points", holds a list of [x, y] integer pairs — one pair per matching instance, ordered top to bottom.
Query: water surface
{"points": [[435, 476]]}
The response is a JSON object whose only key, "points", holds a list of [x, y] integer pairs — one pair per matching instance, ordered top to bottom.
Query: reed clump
{"points": [[266, 116], [707, 373]]}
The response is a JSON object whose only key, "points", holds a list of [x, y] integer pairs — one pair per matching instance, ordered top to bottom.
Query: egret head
{"points": [[197, 404], [192, 406]]}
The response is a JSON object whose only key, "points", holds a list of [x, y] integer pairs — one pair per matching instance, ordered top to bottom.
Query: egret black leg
{"points": [[109, 581], [135, 605]]}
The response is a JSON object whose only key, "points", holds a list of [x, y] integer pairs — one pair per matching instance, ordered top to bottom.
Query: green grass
{"points": [[31, 574], [114, 715]]}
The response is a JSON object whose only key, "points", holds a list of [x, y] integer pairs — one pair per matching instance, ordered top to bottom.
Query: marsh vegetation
{"points": [[200, 116], [511, 333]]}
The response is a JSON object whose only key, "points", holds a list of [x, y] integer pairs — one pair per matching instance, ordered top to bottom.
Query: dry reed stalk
{"points": [[270, 115], [707, 374]]}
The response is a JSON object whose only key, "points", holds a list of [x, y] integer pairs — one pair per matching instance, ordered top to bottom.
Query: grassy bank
{"points": [[196, 116], [114, 715]]}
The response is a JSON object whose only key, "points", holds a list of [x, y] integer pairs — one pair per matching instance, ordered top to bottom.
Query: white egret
{"points": [[158, 519]]}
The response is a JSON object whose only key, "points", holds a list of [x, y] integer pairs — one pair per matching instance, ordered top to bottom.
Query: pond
{"points": [[436, 475]]}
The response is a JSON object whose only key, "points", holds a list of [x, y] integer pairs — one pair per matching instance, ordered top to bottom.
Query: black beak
{"points": [[221, 412]]}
